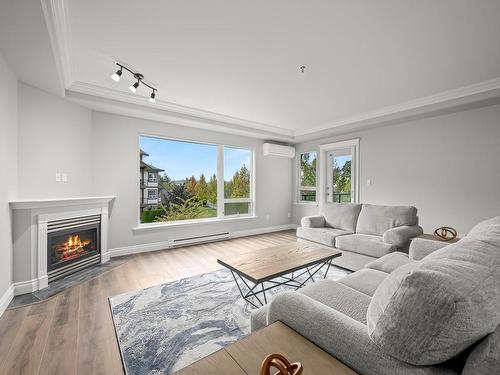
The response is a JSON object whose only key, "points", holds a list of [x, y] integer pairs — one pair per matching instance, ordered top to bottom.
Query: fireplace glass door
{"points": [[70, 245]]}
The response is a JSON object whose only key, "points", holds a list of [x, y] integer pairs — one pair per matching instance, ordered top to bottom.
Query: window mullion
{"points": [[220, 181]]}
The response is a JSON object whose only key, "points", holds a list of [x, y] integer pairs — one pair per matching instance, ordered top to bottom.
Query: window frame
{"points": [[325, 149], [299, 179], [220, 184]]}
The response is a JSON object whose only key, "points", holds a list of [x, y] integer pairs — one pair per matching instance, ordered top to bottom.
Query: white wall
{"points": [[54, 136], [115, 141], [447, 166], [8, 169]]}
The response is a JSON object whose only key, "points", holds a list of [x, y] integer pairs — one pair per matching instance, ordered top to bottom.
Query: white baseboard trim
{"points": [[253, 232], [155, 246], [135, 249], [23, 287], [6, 298]]}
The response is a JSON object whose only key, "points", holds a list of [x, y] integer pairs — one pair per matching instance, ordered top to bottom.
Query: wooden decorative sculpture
{"points": [[445, 233], [281, 363]]}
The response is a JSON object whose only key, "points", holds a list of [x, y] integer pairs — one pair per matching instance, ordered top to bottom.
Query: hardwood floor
{"points": [[73, 333]]}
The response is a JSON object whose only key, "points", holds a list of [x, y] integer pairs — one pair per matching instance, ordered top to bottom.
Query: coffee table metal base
{"points": [[251, 291]]}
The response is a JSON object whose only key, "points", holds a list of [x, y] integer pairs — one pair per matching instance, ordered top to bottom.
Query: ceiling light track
{"points": [[140, 80]]}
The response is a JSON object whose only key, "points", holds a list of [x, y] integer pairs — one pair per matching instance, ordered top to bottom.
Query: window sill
{"points": [[305, 203], [160, 226]]}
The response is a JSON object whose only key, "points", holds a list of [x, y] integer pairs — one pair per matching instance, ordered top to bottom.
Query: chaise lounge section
{"points": [[363, 232], [434, 311]]}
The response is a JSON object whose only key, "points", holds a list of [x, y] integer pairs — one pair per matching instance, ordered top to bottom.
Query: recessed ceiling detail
{"points": [[372, 60]]}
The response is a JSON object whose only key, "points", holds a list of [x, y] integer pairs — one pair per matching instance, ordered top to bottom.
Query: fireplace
{"points": [[72, 244]]}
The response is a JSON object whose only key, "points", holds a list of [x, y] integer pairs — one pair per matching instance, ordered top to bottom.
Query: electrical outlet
{"points": [[58, 177], [64, 177], [368, 182], [289, 214], [268, 217]]}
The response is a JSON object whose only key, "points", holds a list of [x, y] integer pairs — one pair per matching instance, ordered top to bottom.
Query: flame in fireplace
{"points": [[72, 246]]}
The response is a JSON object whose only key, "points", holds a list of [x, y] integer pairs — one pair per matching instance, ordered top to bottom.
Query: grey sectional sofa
{"points": [[363, 232], [434, 311]]}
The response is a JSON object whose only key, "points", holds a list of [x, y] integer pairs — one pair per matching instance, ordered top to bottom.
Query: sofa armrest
{"points": [[313, 221], [400, 236], [420, 247], [341, 336]]}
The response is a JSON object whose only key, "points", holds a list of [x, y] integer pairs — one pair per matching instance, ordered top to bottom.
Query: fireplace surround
{"points": [[54, 237], [72, 244]]}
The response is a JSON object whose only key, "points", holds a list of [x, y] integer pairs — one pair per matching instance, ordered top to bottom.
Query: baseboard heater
{"points": [[200, 239]]}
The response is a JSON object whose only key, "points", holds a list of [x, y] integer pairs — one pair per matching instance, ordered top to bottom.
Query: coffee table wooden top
{"points": [[269, 263], [246, 355]]}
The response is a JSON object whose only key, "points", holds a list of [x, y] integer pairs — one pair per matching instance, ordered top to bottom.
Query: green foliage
{"points": [[308, 169], [342, 178], [241, 183], [191, 185], [239, 186], [201, 189], [212, 190], [190, 200], [188, 209], [149, 216]]}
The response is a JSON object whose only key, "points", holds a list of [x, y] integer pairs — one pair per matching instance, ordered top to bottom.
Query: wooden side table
{"points": [[432, 237], [245, 356]]}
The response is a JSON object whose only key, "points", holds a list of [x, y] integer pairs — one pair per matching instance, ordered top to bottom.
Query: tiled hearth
{"points": [[56, 237]]}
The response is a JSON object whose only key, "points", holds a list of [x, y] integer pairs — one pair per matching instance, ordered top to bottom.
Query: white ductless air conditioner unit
{"points": [[273, 149]]}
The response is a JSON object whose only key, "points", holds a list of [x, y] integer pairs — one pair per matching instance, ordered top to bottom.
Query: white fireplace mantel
{"points": [[26, 204], [30, 219]]}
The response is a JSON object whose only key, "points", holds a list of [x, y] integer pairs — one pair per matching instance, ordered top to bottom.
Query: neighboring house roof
{"points": [[144, 153], [150, 168]]}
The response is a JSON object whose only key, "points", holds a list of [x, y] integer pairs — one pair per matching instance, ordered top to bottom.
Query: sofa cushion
{"points": [[341, 215], [375, 219], [480, 227], [487, 231], [324, 236], [364, 244], [352, 261], [389, 262], [365, 281], [339, 297], [428, 311], [485, 356]]}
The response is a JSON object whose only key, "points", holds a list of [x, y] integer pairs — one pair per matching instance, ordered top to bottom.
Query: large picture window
{"points": [[307, 177], [181, 180]]}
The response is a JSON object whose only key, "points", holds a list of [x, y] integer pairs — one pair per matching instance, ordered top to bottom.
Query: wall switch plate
{"points": [[58, 177], [64, 177], [289, 214], [268, 217]]}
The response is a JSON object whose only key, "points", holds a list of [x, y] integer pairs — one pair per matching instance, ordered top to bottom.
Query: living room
{"points": [[235, 188]]}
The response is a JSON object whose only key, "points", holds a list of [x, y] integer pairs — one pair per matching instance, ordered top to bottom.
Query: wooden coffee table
{"points": [[284, 265], [246, 355]]}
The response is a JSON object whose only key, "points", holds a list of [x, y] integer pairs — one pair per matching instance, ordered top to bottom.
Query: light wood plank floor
{"points": [[72, 332]]}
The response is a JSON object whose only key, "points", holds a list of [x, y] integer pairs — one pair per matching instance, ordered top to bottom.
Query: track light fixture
{"points": [[116, 76], [140, 80], [134, 87]]}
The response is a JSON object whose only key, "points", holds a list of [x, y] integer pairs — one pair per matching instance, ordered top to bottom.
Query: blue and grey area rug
{"points": [[166, 327]]}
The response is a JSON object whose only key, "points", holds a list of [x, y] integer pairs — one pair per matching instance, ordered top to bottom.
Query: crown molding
{"points": [[56, 15], [446, 99], [108, 100], [120, 103], [175, 109]]}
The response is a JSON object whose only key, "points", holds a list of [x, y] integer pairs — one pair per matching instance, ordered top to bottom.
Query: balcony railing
{"points": [[341, 198]]}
